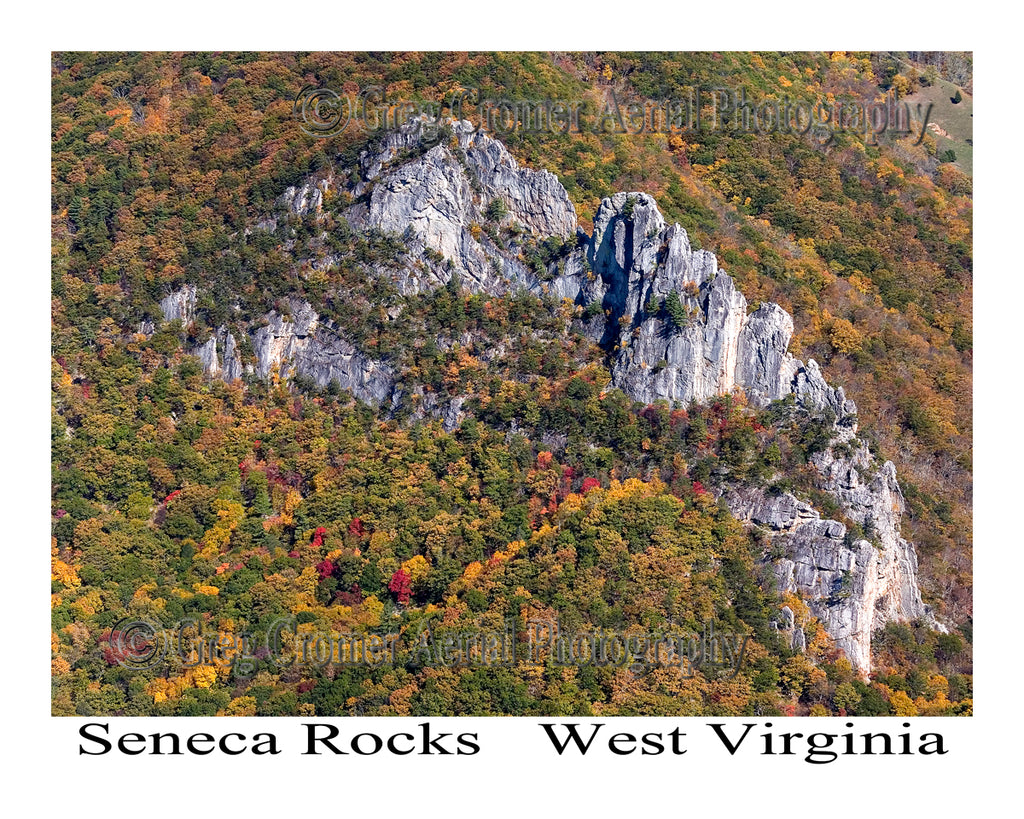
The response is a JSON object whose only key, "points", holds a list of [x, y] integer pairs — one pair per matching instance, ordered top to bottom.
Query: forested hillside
{"points": [[551, 494]]}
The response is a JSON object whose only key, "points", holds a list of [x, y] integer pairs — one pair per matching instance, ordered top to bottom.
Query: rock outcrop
{"points": [[469, 170], [308, 198], [438, 201], [641, 263], [180, 305], [297, 344], [300, 344], [220, 356], [852, 585]]}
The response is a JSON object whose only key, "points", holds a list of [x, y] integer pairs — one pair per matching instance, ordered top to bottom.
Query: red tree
{"points": [[401, 586]]}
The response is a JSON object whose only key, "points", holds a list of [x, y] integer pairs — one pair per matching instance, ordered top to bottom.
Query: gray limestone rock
{"points": [[431, 187], [307, 198], [534, 199], [437, 201], [640, 261], [180, 305], [292, 344], [299, 344], [207, 353], [220, 356], [764, 365], [232, 368], [811, 388], [428, 405], [779, 512], [852, 588]]}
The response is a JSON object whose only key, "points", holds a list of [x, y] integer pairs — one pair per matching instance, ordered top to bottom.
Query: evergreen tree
{"points": [[676, 311]]}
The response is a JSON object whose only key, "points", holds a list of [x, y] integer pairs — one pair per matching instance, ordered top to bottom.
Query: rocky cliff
{"points": [[437, 200], [433, 201], [641, 263], [673, 325], [289, 345], [853, 585]]}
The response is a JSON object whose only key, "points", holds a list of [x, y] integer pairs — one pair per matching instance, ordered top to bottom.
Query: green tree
{"points": [[496, 209], [676, 311]]}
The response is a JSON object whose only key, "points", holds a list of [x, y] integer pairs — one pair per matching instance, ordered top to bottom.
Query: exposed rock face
{"points": [[476, 169], [308, 198], [534, 199], [438, 201], [640, 262], [180, 305], [299, 344], [207, 353], [220, 356], [763, 364], [232, 369], [809, 385], [428, 405], [871, 497], [852, 586]]}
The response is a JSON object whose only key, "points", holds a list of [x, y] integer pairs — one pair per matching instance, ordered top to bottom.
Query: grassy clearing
{"points": [[955, 120]]}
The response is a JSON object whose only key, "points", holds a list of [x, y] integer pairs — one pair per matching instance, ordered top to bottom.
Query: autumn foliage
{"points": [[180, 497]]}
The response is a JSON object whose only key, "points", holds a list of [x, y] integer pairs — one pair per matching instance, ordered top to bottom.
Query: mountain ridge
{"points": [[632, 267]]}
